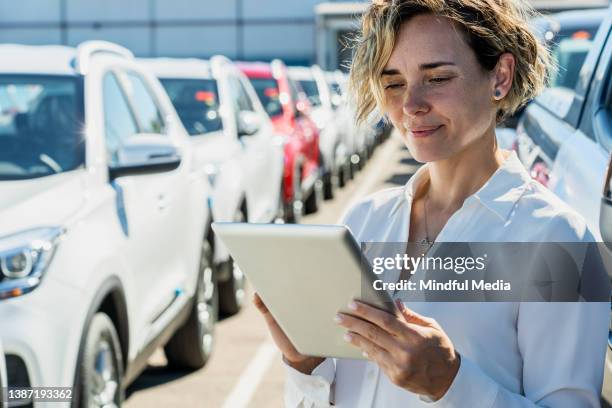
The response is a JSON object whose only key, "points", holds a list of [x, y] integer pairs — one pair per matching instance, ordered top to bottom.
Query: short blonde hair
{"points": [[492, 27]]}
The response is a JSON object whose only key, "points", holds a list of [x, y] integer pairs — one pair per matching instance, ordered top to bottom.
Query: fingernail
{"points": [[352, 306], [337, 318], [347, 337], [365, 354]]}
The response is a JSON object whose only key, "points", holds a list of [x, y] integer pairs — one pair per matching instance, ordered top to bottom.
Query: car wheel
{"points": [[344, 174], [330, 184], [315, 199], [295, 209], [291, 212], [232, 291], [192, 345], [101, 370]]}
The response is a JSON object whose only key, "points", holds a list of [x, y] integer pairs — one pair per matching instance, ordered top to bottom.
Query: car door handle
{"points": [[162, 202]]}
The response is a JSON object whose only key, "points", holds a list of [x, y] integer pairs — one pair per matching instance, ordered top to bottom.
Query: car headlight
{"points": [[24, 257]]}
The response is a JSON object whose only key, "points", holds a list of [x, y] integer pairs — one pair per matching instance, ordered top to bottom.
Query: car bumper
{"points": [[43, 329]]}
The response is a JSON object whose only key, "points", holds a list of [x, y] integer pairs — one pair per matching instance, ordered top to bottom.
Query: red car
{"points": [[288, 108]]}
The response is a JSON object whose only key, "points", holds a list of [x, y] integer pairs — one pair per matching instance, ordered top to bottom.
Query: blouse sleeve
{"points": [[563, 347]]}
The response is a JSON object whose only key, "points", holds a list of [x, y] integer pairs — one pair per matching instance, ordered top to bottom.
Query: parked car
{"points": [[569, 35], [289, 112], [565, 135], [360, 139], [565, 139], [234, 142], [334, 157], [104, 254], [3, 383]]}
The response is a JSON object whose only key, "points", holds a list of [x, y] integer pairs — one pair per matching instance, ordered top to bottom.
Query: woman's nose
{"points": [[414, 102]]}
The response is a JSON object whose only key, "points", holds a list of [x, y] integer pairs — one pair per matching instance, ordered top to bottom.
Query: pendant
{"points": [[426, 241]]}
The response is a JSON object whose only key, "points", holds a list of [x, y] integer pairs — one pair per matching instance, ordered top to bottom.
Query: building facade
{"points": [[297, 31]]}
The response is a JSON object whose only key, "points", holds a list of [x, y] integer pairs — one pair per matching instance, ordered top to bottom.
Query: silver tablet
{"points": [[305, 274]]}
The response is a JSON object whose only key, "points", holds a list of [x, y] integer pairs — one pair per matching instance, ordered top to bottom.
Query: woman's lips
{"points": [[425, 131]]}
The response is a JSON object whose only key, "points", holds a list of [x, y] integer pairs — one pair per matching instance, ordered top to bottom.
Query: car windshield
{"points": [[312, 91], [268, 93], [197, 103], [41, 123]]}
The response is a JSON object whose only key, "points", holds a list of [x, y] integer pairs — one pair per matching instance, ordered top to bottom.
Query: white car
{"points": [[233, 139], [358, 139], [335, 155], [103, 249], [3, 383]]}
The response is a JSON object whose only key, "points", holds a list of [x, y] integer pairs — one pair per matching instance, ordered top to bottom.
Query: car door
{"points": [[262, 159], [580, 164], [141, 202], [179, 209]]}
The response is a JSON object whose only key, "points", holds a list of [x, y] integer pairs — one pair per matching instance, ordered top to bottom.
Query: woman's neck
{"points": [[454, 179]]}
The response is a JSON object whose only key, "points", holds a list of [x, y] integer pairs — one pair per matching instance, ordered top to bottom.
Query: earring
{"points": [[497, 93]]}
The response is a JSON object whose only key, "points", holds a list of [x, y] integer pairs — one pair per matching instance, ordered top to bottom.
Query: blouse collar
{"points": [[499, 194]]}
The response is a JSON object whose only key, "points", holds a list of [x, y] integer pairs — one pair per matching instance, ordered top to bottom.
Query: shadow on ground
{"points": [[154, 376]]}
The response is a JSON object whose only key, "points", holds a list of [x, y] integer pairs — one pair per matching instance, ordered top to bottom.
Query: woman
{"points": [[445, 73]]}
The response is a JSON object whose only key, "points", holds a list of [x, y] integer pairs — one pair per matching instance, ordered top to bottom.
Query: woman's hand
{"points": [[412, 350], [300, 362]]}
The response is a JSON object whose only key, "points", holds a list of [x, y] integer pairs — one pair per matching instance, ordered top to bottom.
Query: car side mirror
{"points": [[249, 123], [144, 154], [605, 214]]}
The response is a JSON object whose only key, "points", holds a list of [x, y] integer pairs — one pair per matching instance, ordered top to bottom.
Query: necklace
{"points": [[426, 240]]}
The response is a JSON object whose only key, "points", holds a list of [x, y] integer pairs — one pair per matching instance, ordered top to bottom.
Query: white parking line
{"points": [[252, 376]]}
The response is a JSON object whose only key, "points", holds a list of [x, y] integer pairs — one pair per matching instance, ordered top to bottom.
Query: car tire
{"points": [[345, 173], [330, 183], [315, 199], [291, 212], [232, 291], [192, 344], [101, 369]]}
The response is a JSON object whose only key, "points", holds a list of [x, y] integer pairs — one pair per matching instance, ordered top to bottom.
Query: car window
{"points": [[569, 56], [312, 91], [268, 93], [295, 94], [244, 101], [196, 102], [148, 115], [119, 121], [605, 125], [41, 126]]}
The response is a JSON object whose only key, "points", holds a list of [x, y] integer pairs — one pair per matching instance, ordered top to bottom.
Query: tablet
{"points": [[305, 274]]}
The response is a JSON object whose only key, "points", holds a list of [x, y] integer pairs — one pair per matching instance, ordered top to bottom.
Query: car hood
{"points": [[43, 201]]}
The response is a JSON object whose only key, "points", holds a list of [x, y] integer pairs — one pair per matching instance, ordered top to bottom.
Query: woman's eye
{"points": [[438, 80], [393, 86]]}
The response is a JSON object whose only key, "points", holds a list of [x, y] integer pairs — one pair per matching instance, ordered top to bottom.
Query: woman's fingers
{"points": [[259, 304], [413, 317], [385, 320], [368, 330], [370, 350]]}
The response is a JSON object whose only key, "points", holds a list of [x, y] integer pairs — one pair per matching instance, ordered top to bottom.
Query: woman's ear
{"points": [[504, 75]]}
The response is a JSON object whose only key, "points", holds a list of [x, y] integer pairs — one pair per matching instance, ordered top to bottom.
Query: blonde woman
{"points": [[445, 73]]}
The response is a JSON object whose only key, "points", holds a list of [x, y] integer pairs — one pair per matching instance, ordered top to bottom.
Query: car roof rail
{"points": [[88, 49]]}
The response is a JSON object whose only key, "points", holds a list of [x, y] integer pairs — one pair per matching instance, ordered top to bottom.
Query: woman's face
{"points": [[436, 93]]}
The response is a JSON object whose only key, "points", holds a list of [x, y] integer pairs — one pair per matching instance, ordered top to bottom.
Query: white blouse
{"points": [[512, 354]]}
